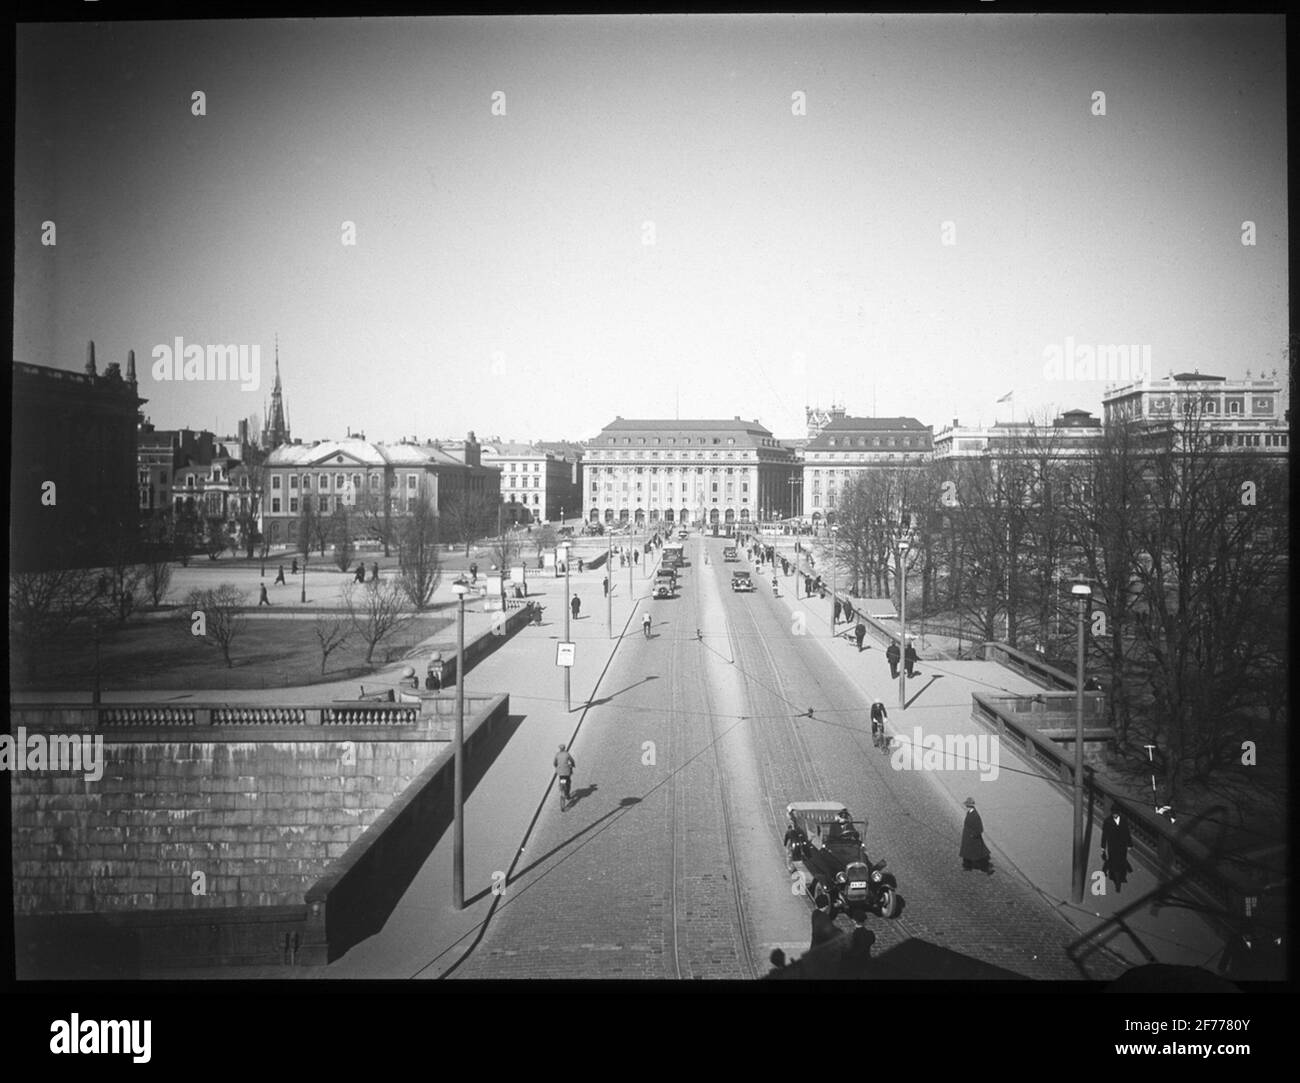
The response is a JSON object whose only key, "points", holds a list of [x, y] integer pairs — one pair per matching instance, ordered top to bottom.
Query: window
{"points": [[189, 481], [356, 481], [410, 481], [340, 482], [536, 482], [306, 483], [325, 483], [324, 503], [293, 504]]}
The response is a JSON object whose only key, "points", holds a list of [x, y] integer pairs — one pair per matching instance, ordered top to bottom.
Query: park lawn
{"points": [[267, 653]]}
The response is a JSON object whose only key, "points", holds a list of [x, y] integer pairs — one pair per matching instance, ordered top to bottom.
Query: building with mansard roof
{"points": [[843, 448], [694, 472], [379, 481]]}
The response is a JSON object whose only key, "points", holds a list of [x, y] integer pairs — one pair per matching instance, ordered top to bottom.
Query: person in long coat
{"points": [[860, 633], [893, 655], [1115, 841], [974, 854]]}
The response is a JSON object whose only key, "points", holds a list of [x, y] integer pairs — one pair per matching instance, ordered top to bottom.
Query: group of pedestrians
{"points": [[359, 577], [908, 657]]}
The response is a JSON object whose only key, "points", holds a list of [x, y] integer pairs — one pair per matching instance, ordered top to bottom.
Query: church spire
{"points": [[276, 429]]}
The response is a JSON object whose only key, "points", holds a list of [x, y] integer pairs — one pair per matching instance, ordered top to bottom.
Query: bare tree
{"points": [[249, 509], [376, 512], [468, 515], [340, 532], [215, 537], [545, 538], [158, 551], [419, 565], [43, 607], [376, 610], [215, 616], [331, 633]]}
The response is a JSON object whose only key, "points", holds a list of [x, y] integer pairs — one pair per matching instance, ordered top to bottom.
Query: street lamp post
{"points": [[831, 528], [304, 577], [609, 585], [461, 588], [1082, 592], [567, 612], [902, 624]]}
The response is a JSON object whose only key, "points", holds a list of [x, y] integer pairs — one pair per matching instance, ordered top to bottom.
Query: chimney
{"points": [[90, 358], [130, 366]]}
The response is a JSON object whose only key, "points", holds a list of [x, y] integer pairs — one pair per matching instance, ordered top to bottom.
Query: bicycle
{"points": [[645, 625], [566, 784]]}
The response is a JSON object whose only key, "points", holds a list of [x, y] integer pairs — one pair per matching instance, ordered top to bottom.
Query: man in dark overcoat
{"points": [[893, 655], [1115, 841], [974, 854]]}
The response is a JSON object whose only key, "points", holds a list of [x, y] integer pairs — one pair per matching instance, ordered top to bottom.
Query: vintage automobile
{"points": [[730, 554], [741, 581], [665, 585], [826, 851]]}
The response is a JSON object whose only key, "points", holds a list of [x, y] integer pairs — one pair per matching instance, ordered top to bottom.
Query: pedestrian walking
{"points": [[636, 556], [582, 564], [295, 566], [374, 572], [473, 573], [360, 576], [279, 578], [604, 583], [263, 600], [575, 605], [848, 611], [835, 616], [860, 633], [893, 655], [910, 659], [1115, 841], [974, 854]]}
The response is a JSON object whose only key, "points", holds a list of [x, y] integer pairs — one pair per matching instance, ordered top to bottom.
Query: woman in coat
{"points": [[1115, 841], [974, 854]]}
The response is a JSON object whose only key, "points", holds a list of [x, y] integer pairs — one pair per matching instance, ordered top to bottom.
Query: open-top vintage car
{"points": [[825, 847]]}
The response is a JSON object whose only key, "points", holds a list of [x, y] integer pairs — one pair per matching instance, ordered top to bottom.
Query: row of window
{"points": [[1261, 405], [1248, 439], [875, 441], [680, 455], [341, 482], [514, 482], [324, 505]]}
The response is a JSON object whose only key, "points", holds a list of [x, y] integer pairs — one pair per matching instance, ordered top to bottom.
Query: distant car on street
{"points": [[682, 535], [730, 554], [741, 581], [665, 587]]}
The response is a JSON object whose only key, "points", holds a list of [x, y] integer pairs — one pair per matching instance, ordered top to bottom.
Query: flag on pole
{"points": [[1007, 396]]}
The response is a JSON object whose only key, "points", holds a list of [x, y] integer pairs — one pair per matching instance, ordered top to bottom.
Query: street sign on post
{"points": [[564, 654]]}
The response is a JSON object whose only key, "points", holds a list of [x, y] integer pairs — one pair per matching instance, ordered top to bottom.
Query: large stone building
{"points": [[1251, 415], [1073, 434], [844, 448], [73, 462], [687, 472], [382, 482], [536, 484]]}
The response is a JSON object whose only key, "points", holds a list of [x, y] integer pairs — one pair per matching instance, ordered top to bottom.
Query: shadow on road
{"points": [[922, 690], [606, 699]]}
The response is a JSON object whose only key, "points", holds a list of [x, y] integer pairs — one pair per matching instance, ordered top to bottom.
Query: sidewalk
{"points": [[1028, 822]]}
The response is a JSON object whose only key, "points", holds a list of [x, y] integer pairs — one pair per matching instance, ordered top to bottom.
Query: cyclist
{"points": [[645, 624], [878, 718], [564, 765]]}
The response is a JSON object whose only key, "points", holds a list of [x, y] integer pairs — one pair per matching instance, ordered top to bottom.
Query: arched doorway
{"points": [[668, 515], [713, 515], [744, 515], [730, 516], [639, 517]]}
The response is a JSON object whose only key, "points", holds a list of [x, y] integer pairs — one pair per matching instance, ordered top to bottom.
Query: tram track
{"points": [[697, 938]]}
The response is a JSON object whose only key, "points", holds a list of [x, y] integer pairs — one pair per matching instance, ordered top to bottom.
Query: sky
{"points": [[560, 220]]}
